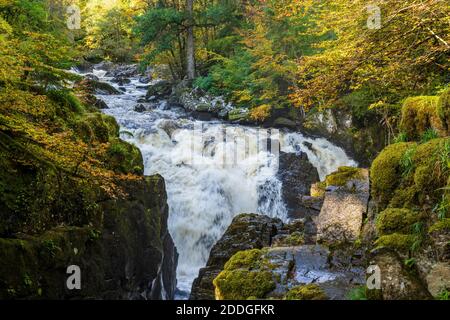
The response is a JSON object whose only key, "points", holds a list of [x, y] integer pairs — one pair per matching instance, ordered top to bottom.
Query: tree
{"points": [[190, 44]]}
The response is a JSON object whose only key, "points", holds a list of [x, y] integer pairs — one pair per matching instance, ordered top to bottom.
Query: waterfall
{"points": [[213, 170]]}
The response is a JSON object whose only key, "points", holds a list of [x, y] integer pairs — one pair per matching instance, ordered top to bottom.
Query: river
{"points": [[213, 170]]}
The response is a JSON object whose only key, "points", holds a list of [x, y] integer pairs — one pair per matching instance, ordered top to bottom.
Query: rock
{"points": [[105, 66], [85, 67], [122, 71], [92, 77], [145, 79], [121, 81], [96, 87], [160, 90], [99, 103], [140, 108], [239, 115], [284, 123], [169, 126], [297, 175], [345, 204], [247, 231], [127, 254], [273, 272], [438, 279], [396, 282]]}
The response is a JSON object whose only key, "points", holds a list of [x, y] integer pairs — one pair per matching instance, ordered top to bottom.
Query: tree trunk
{"points": [[190, 49]]}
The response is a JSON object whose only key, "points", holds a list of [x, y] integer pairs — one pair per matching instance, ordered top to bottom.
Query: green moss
{"points": [[65, 99], [443, 109], [238, 114], [420, 114], [91, 127], [125, 158], [386, 172], [343, 175], [318, 189], [396, 220], [440, 226], [294, 239], [396, 241], [244, 259], [242, 284], [307, 292], [358, 293]]}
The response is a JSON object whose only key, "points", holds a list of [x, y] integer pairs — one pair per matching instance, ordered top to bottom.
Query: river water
{"points": [[213, 170]]}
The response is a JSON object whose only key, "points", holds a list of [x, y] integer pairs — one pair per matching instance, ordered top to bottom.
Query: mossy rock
{"points": [[443, 109], [420, 114], [239, 115], [97, 127], [125, 158], [386, 172], [343, 176], [318, 189], [394, 220], [294, 239], [396, 241], [244, 259], [247, 274], [243, 284], [307, 292]]}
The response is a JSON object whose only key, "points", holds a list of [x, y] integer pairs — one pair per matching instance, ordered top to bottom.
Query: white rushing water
{"points": [[213, 170]]}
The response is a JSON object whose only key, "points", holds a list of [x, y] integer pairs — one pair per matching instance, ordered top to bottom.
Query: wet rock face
{"points": [[297, 175], [344, 207], [248, 231], [138, 243], [128, 255], [316, 264]]}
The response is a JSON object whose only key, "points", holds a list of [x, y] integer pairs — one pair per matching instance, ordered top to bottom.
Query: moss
{"points": [[66, 99], [443, 109], [239, 114], [420, 114], [96, 127], [125, 158], [386, 172], [343, 175], [318, 189], [396, 220], [441, 225], [294, 239], [396, 241], [244, 259], [35, 265], [247, 274], [242, 284], [307, 292]]}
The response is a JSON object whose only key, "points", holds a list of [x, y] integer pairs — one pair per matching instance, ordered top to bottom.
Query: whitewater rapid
{"points": [[213, 170]]}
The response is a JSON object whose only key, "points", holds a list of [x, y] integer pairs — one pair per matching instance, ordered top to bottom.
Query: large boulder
{"points": [[345, 205], [247, 231], [306, 272]]}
